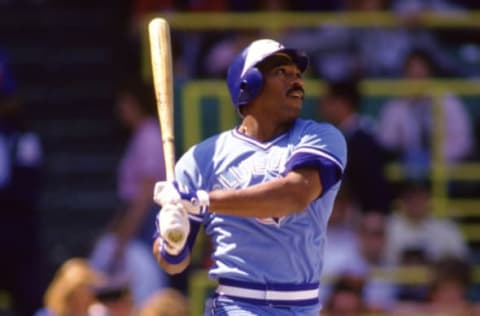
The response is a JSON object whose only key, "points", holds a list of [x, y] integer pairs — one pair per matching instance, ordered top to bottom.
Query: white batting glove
{"points": [[172, 192], [174, 227]]}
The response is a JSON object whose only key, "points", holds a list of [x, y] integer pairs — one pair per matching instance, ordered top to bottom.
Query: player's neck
{"points": [[249, 126], [262, 131]]}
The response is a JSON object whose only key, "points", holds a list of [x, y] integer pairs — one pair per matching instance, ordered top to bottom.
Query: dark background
{"points": [[67, 57]]}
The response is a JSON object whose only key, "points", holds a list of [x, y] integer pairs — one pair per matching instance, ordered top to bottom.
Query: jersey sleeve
{"points": [[320, 146]]}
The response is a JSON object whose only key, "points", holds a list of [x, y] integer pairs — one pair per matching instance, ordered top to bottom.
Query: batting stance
{"points": [[263, 191]]}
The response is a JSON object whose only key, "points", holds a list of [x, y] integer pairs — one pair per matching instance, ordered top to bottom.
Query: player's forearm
{"points": [[275, 198], [164, 264]]}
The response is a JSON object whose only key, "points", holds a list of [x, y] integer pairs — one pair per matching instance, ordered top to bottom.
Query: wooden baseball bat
{"points": [[161, 57], [162, 72]]}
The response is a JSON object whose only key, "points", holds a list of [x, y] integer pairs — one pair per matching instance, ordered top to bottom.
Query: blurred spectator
{"points": [[420, 6], [331, 48], [382, 49], [222, 53], [340, 53], [456, 55], [406, 124], [142, 163], [365, 175], [20, 184], [131, 234], [416, 236], [371, 238], [416, 239], [341, 243], [358, 252], [136, 270], [450, 286], [70, 292], [379, 292], [448, 294], [116, 298], [346, 298], [167, 302]]}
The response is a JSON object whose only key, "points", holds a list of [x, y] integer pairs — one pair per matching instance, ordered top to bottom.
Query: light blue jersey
{"points": [[281, 253]]}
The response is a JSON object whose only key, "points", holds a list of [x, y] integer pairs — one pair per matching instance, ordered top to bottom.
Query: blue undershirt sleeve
{"points": [[330, 173]]}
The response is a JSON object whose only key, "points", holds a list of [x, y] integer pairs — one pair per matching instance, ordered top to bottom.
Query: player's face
{"points": [[282, 94]]}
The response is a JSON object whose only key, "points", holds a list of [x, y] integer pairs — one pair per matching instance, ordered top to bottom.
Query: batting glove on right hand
{"points": [[172, 192], [174, 227]]}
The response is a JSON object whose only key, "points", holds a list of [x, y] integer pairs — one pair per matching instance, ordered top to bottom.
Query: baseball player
{"points": [[263, 191]]}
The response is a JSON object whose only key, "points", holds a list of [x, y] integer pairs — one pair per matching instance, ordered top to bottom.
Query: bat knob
{"points": [[175, 236]]}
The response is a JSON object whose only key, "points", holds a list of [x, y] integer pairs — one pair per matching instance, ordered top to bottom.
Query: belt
{"points": [[270, 294]]}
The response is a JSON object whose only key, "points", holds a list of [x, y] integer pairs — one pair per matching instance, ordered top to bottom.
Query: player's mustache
{"points": [[296, 88]]}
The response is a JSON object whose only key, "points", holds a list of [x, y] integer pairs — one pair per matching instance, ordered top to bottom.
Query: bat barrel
{"points": [[162, 72]]}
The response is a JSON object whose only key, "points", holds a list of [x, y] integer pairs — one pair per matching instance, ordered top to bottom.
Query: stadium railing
{"points": [[221, 116]]}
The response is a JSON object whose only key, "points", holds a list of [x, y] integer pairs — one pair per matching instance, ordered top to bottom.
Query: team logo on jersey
{"points": [[254, 170], [271, 220]]}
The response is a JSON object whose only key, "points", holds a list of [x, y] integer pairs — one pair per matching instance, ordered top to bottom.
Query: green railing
{"points": [[278, 20], [192, 121]]}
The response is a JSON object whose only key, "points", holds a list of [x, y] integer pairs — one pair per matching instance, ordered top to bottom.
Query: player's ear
{"points": [[251, 85]]}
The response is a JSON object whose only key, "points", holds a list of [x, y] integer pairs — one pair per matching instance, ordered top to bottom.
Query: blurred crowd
{"points": [[337, 52], [378, 227], [78, 289]]}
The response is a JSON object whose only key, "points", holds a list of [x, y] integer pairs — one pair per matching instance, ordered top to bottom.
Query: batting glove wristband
{"points": [[172, 192], [172, 221]]}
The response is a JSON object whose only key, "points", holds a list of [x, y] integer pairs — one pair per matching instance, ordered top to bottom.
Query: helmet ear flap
{"points": [[250, 86]]}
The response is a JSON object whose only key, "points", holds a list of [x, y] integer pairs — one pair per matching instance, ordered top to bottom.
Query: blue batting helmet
{"points": [[245, 80]]}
